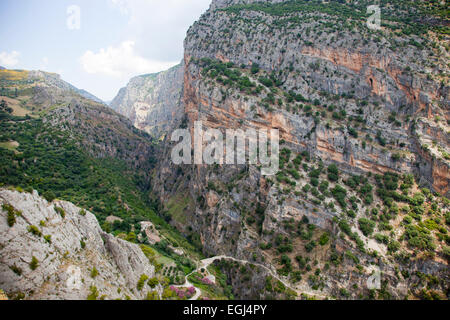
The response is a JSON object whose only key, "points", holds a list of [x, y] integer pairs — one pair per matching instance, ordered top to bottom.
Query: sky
{"points": [[96, 45]]}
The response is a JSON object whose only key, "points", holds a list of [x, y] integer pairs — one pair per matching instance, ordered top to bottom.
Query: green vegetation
{"points": [[396, 14], [52, 162], [61, 212], [12, 214], [366, 226], [34, 230], [324, 239], [34, 263], [16, 270], [94, 273], [142, 281], [153, 282], [93, 295]]}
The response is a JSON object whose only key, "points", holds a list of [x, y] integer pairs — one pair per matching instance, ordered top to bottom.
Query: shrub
{"points": [[255, 68], [266, 81], [353, 132], [396, 156], [333, 173], [314, 182], [323, 187], [339, 193], [49, 196], [61, 212], [351, 214], [11, 218], [366, 226], [345, 227], [34, 230], [419, 237], [48, 238], [381, 238], [324, 239], [310, 246], [393, 246], [446, 251], [351, 256], [285, 260], [301, 262], [34, 263], [16, 270], [94, 272], [141, 282], [153, 282], [93, 293], [168, 293], [153, 295]]}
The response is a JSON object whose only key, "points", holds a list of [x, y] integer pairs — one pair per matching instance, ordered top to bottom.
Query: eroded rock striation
{"points": [[58, 251]]}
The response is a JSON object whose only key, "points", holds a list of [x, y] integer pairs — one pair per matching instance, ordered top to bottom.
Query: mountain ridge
{"points": [[152, 101]]}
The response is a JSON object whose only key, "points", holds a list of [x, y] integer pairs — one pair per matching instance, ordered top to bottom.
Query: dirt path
{"points": [[204, 264]]}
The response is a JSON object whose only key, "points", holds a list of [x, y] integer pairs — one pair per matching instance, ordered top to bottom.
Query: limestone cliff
{"points": [[152, 102], [374, 103], [58, 251]]}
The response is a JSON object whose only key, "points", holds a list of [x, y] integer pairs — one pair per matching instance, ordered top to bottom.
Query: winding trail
{"points": [[204, 264]]}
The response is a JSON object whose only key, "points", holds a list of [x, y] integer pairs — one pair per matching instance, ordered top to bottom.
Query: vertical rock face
{"points": [[371, 81], [152, 102], [373, 103], [58, 251]]}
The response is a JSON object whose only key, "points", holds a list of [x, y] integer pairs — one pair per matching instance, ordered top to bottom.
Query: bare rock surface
{"points": [[73, 257]]}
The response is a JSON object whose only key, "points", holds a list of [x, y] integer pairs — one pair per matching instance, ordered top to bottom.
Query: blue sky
{"points": [[113, 41]]}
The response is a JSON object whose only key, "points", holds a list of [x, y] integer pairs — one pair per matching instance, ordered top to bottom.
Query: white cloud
{"points": [[159, 27], [9, 59], [121, 61]]}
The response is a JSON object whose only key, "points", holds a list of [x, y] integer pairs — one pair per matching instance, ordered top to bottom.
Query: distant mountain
{"points": [[2, 68], [56, 81], [37, 91], [88, 95], [152, 102]]}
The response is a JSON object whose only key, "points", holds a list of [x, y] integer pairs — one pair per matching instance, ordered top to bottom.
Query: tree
{"points": [[255, 68], [333, 173], [49, 196], [366, 226]]}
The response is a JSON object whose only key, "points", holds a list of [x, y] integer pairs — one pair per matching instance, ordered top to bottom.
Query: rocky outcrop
{"points": [[357, 99], [152, 102], [58, 251]]}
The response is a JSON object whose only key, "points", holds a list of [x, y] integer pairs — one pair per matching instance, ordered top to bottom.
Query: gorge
{"points": [[362, 187]]}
